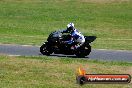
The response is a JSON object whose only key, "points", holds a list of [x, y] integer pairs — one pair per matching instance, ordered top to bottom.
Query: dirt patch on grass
{"points": [[105, 1], [129, 70]]}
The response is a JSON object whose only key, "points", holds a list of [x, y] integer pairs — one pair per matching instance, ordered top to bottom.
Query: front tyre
{"points": [[44, 49]]}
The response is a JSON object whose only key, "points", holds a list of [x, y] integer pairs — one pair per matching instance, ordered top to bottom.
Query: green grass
{"points": [[31, 21], [54, 72]]}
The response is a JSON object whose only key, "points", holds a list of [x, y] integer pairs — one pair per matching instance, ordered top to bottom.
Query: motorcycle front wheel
{"points": [[45, 50]]}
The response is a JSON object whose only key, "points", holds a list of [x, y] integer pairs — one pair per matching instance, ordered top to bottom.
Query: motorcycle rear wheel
{"points": [[83, 51]]}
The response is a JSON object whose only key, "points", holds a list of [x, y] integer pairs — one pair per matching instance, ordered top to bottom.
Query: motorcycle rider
{"points": [[76, 36]]}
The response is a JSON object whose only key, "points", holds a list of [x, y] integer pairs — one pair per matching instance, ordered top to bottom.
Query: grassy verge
{"points": [[109, 20], [49, 72]]}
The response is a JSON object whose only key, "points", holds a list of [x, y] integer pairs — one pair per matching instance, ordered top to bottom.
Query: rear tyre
{"points": [[44, 49], [87, 49], [83, 51]]}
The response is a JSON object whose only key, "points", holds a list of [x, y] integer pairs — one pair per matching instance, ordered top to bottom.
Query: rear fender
{"points": [[90, 39]]}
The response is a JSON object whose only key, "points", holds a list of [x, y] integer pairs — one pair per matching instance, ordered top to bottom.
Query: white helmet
{"points": [[70, 24], [70, 27]]}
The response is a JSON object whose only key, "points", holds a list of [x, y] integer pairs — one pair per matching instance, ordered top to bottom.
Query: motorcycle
{"points": [[54, 45]]}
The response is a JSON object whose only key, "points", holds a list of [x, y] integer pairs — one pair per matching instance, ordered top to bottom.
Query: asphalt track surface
{"points": [[100, 54]]}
